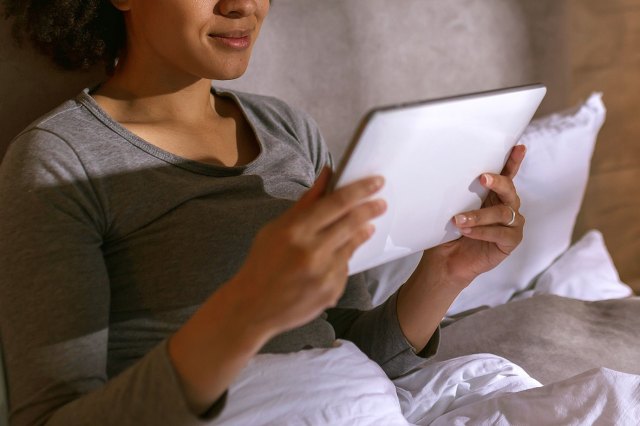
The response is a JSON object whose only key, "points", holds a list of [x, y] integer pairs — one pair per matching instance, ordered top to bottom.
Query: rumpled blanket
{"points": [[552, 338], [340, 386]]}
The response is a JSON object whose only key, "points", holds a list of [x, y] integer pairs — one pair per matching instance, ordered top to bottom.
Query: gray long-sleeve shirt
{"points": [[108, 244]]}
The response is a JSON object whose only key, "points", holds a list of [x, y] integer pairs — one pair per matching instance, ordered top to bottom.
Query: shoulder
{"points": [[270, 108], [278, 117], [59, 127], [45, 147], [42, 171]]}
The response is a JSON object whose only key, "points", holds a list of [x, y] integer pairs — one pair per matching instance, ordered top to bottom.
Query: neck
{"points": [[160, 95]]}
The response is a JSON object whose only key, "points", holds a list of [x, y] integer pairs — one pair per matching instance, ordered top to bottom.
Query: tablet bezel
{"points": [[337, 174]]}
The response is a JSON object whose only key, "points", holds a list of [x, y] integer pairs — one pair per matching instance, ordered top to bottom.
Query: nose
{"points": [[237, 8]]}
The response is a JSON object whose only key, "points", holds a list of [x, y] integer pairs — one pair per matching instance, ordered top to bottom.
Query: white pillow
{"points": [[551, 185], [585, 271]]}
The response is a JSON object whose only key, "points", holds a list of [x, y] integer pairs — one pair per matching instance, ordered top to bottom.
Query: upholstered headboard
{"points": [[337, 58]]}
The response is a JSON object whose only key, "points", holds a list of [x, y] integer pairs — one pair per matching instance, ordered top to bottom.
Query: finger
{"points": [[516, 157], [503, 187], [316, 191], [331, 207], [499, 214], [342, 231], [506, 238], [344, 253]]}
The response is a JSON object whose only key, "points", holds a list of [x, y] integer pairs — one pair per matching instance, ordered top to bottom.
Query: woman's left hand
{"points": [[489, 234]]}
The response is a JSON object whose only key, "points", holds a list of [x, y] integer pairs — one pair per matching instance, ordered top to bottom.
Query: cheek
{"points": [[263, 9], [171, 24], [172, 35], [178, 36]]}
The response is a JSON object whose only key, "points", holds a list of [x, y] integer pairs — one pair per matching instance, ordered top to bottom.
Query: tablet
{"points": [[432, 154]]}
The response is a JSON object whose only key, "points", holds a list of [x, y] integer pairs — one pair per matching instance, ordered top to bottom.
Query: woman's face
{"points": [[209, 39]]}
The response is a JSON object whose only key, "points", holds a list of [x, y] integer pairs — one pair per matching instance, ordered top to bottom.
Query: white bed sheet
{"points": [[336, 386], [340, 386], [596, 397]]}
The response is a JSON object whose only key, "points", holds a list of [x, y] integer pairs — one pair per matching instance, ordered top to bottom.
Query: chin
{"points": [[226, 73]]}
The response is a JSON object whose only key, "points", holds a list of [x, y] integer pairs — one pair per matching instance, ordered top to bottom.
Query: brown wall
{"points": [[604, 42]]}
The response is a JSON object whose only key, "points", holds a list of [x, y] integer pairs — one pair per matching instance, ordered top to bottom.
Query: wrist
{"points": [[434, 271], [423, 301], [239, 321], [212, 347]]}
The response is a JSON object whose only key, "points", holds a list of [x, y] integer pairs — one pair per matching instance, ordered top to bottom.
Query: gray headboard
{"points": [[338, 58]]}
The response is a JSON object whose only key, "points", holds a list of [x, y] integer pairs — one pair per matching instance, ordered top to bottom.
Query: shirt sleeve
{"points": [[309, 135], [55, 298], [377, 331]]}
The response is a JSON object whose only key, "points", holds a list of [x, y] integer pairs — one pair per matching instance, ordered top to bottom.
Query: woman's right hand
{"points": [[297, 265], [295, 269]]}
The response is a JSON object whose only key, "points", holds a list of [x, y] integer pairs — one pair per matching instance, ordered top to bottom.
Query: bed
{"points": [[553, 335]]}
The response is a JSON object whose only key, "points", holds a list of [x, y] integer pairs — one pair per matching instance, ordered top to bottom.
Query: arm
{"points": [[489, 235], [296, 268], [54, 296], [411, 317]]}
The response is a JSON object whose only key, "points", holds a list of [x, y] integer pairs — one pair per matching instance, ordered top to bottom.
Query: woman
{"points": [[150, 241]]}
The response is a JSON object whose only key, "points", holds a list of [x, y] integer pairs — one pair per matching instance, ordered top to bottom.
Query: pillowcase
{"points": [[551, 184], [585, 272]]}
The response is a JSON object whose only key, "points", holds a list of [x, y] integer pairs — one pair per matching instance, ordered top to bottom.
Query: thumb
{"points": [[515, 161]]}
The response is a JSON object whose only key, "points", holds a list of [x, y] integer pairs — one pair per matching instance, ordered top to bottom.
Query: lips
{"points": [[232, 34], [238, 39]]}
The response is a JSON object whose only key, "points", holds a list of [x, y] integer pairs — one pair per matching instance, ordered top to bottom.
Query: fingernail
{"points": [[488, 179], [376, 183], [381, 206], [460, 219], [466, 231]]}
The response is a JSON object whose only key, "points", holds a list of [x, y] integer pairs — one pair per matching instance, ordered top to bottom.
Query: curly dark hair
{"points": [[75, 34]]}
